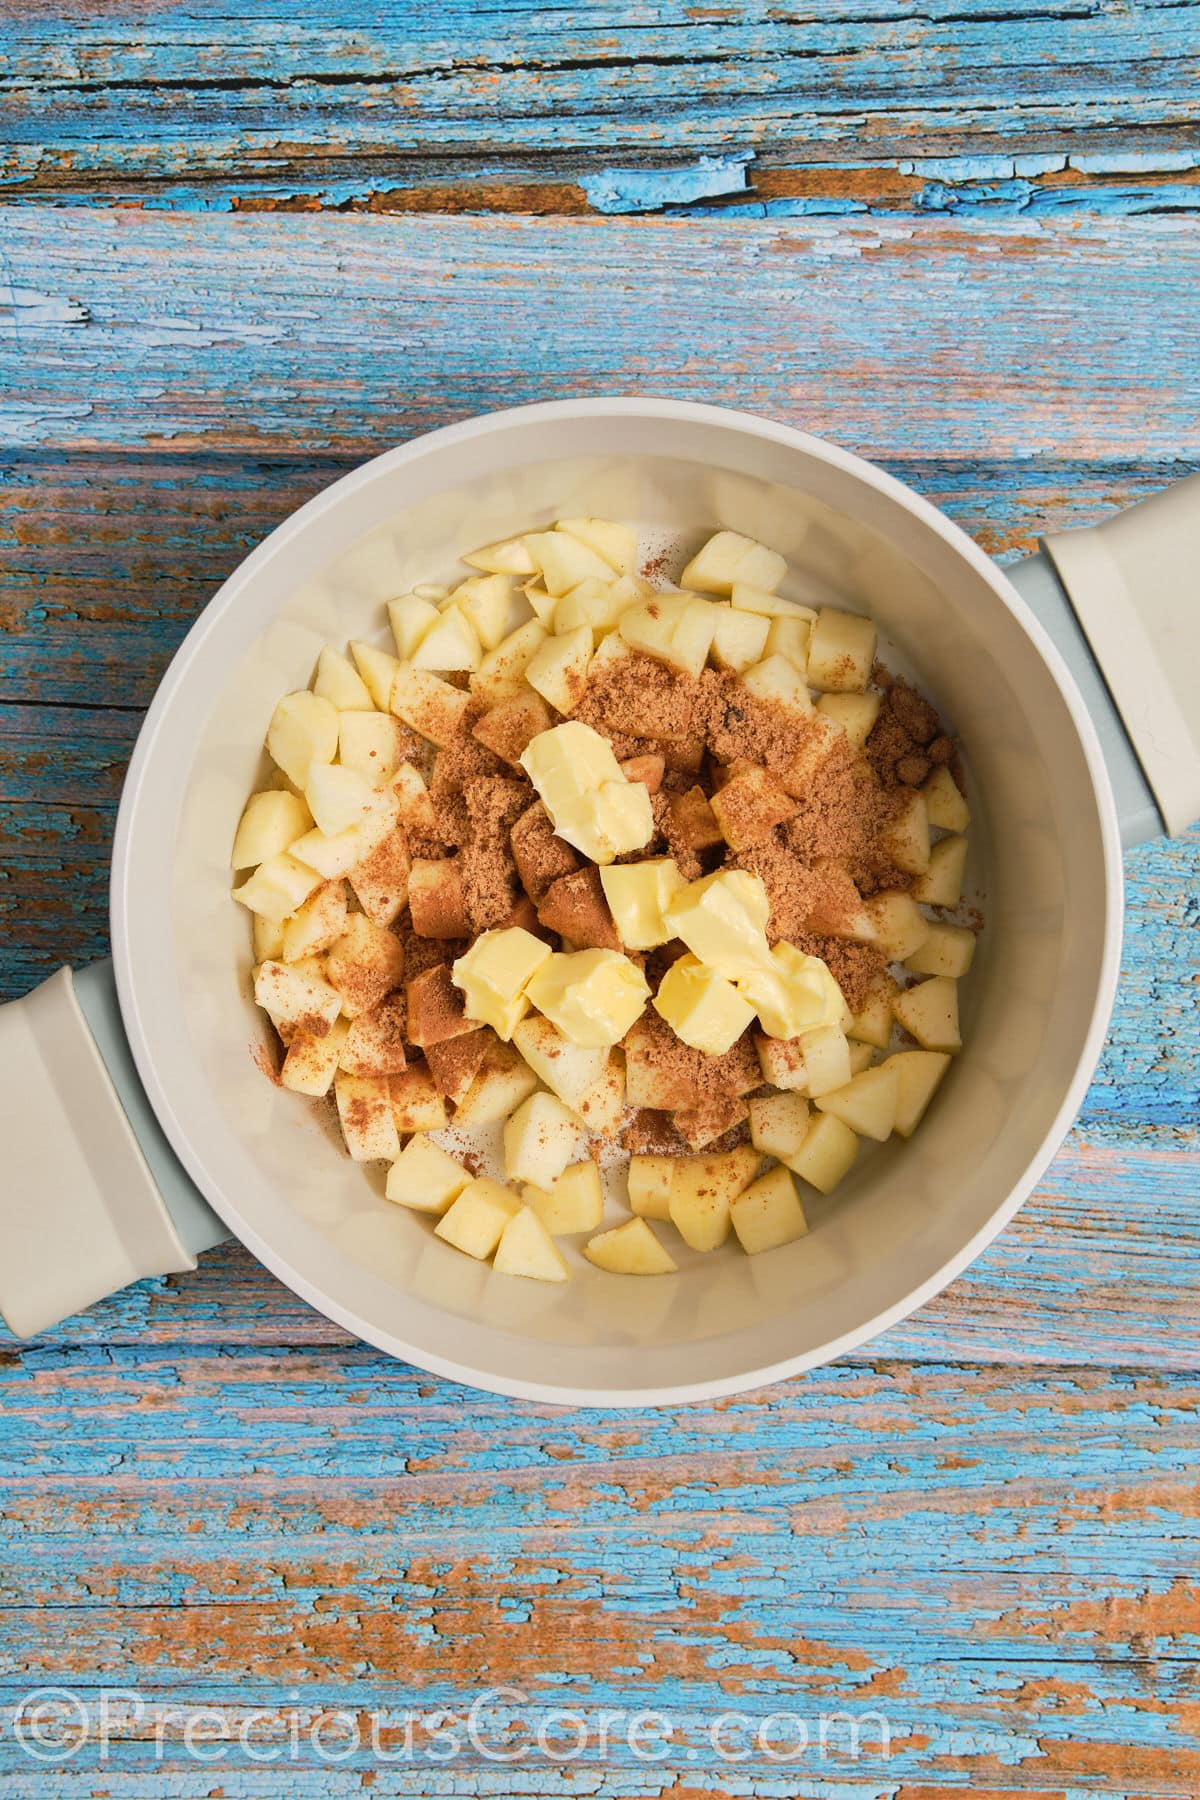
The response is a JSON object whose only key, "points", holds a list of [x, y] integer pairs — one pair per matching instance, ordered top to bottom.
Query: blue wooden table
{"points": [[243, 248]]}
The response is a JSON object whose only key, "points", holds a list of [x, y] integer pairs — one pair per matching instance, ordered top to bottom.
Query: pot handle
{"points": [[1122, 601], [92, 1195]]}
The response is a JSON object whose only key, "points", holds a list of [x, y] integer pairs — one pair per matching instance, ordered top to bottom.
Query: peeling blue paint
{"points": [[650, 190]]}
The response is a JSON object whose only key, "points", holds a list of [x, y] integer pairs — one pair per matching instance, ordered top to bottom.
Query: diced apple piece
{"points": [[617, 544], [509, 557], [728, 558], [564, 561], [748, 598], [486, 602], [595, 604], [544, 605], [411, 619], [673, 629], [789, 637], [739, 638], [452, 643], [611, 648], [841, 652], [558, 668], [378, 670], [502, 671], [338, 681], [779, 681], [430, 705], [855, 713], [510, 726], [303, 731], [819, 741], [371, 743], [648, 769], [339, 798], [944, 802], [749, 807], [414, 808], [272, 820], [693, 820], [906, 837], [335, 856], [380, 881], [941, 884], [277, 887], [437, 899], [317, 924], [900, 925], [268, 939], [945, 950], [365, 964], [296, 1001], [929, 1012], [873, 1025], [375, 1041], [861, 1057], [826, 1060], [312, 1062], [454, 1062], [782, 1062], [575, 1072], [919, 1073], [495, 1094], [416, 1103], [867, 1103], [365, 1111], [778, 1123], [701, 1126], [540, 1139], [826, 1154], [425, 1178], [650, 1180], [702, 1188], [574, 1202], [768, 1213], [474, 1222], [526, 1248], [630, 1249]]}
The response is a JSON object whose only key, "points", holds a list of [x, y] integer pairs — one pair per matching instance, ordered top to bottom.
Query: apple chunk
{"points": [[728, 557], [840, 652], [303, 731], [272, 820], [941, 884], [930, 1012], [919, 1073], [867, 1103], [365, 1111], [539, 1140], [826, 1154], [425, 1178], [574, 1202], [768, 1213], [474, 1222], [526, 1248], [630, 1249]]}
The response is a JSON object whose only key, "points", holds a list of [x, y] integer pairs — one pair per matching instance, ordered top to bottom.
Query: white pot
{"points": [[89, 1209]]}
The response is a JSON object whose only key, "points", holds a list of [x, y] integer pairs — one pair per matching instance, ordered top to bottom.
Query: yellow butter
{"points": [[581, 785], [637, 895], [722, 919], [494, 974], [797, 993], [591, 996], [701, 1007]]}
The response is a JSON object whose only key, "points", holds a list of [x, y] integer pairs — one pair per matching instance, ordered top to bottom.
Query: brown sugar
{"points": [[639, 697], [541, 856], [491, 883], [575, 907], [436, 1008]]}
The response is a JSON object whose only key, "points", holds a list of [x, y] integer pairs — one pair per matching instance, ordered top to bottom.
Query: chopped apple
{"points": [[617, 544], [507, 558], [727, 558], [564, 561], [748, 598], [486, 602], [594, 604], [544, 605], [411, 620], [672, 628], [789, 637], [739, 638], [451, 644], [611, 648], [841, 652], [558, 668], [378, 670], [502, 671], [338, 681], [779, 681], [430, 705], [855, 713], [509, 727], [303, 731], [819, 741], [371, 743], [649, 769], [339, 798], [944, 802], [749, 807], [414, 808], [271, 821], [693, 821], [906, 838], [337, 855], [380, 881], [941, 884], [277, 887], [437, 900], [316, 925], [900, 925], [268, 939], [945, 950], [365, 964], [295, 1000], [929, 1012], [873, 1025], [374, 1043], [861, 1057], [826, 1060], [455, 1061], [312, 1062], [782, 1062], [575, 1072], [919, 1073], [495, 1094], [416, 1103], [867, 1103], [365, 1111], [778, 1123], [701, 1126], [540, 1139], [826, 1154], [425, 1177], [650, 1180], [702, 1188], [573, 1202], [768, 1213], [474, 1222], [526, 1248], [630, 1249]]}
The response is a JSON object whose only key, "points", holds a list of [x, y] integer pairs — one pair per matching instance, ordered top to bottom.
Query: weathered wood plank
{"points": [[520, 105], [131, 329], [328, 1521]]}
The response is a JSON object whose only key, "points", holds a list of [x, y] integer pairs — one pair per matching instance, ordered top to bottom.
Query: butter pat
{"points": [[583, 788], [616, 819], [638, 895], [722, 919], [494, 974], [797, 993], [592, 996], [703, 1009]]}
